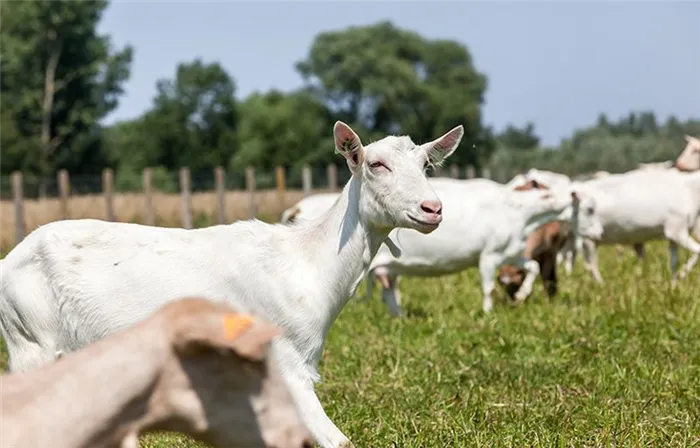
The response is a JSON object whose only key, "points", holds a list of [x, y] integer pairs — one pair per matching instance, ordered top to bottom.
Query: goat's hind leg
{"points": [[685, 241]]}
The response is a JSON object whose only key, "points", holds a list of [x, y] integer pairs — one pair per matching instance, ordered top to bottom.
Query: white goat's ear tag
{"points": [[393, 248]]}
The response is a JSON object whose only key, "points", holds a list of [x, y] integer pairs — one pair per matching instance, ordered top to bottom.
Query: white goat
{"points": [[646, 205], [484, 227], [70, 283], [194, 367]]}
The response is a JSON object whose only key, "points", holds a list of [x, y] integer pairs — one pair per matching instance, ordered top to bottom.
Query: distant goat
{"points": [[542, 245], [194, 367]]}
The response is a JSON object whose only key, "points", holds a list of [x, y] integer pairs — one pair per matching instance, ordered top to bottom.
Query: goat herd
{"points": [[117, 329]]}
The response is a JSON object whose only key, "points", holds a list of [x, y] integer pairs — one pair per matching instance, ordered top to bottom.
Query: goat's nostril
{"points": [[432, 207], [307, 443]]}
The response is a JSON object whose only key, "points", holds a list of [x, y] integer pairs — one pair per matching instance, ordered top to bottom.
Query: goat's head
{"points": [[689, 160], [394, 189], [223, 384]]}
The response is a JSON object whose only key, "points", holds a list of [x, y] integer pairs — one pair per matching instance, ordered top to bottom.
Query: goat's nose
{"points": [[433, 207]]}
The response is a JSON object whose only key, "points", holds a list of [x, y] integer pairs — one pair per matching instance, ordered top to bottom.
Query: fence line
{"points": [[185, 188]]}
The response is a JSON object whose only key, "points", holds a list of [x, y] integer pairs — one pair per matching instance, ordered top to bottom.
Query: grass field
{"points": [[601, 365]]}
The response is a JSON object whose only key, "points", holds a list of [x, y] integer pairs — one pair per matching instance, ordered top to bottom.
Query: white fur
{"points": [[645, 205], [481, 219], [485, 224], [70, 283]]}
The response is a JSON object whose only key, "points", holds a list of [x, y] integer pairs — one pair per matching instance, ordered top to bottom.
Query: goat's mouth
{"points": [[425, 226]]}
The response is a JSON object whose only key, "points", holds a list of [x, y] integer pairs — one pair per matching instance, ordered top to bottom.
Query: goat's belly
{"points": [[627, 235], [432, 267]]}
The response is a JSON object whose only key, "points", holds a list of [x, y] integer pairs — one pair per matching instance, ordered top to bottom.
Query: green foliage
{"points": [[59, 79], [386, 80], [283, 129], [611, 146], [129, 179]]}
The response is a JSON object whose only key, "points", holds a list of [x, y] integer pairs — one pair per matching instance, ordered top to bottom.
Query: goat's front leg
{"points": [[571, 249], [590, 258], [488, 266], [533, 269], [390, 291], [326, 434]]}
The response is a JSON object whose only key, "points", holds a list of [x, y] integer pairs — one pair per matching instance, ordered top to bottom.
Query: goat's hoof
{"points": [[520, 296]]}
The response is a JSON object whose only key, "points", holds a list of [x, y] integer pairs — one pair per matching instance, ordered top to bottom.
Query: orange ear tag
{"points": [[235, 325]]}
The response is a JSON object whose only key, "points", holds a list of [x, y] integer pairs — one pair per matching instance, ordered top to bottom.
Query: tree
{"points": [[59, 79], [385, 80], [192, 123], [283, 129], [516, 138]]}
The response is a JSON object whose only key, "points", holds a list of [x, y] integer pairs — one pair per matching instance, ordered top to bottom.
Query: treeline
{"points": [[60, 79]]}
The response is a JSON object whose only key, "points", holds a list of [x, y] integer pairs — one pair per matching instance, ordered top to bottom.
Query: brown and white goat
{"points": [[542, 246], [194, 366]]}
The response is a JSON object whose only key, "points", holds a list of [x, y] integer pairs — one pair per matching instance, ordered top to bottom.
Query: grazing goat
{"points": [[542, 245], [70, 283], [193, 366]]}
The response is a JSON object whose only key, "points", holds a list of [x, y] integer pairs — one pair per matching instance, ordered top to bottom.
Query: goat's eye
{"points": [[376, 164]]}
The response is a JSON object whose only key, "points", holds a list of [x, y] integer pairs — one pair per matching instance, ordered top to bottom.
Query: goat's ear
{"points": [[349, 145], [441, 148], [241, 333], [251, 343]]}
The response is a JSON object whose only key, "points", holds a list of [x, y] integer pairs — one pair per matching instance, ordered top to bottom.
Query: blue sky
{"points": [[557, 64]]}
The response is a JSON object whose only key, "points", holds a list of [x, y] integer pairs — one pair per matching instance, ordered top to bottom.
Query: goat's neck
{"points": [[344, 245]]}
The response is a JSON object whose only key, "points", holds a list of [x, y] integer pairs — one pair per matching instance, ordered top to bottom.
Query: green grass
{"points": [[600, 365]]}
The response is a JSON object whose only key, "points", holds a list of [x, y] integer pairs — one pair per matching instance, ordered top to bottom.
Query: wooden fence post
{"points": [[454, 171], [332, 172], [471, 172], [486, 173], [306, 180], [220, 181], [281, 185], [250, 186], [185, 190], [108, 191], [64, 192], [148, 195], [18, 198]]}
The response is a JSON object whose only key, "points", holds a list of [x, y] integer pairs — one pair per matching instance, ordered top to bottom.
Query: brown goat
{"points": [[194, 366]]}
